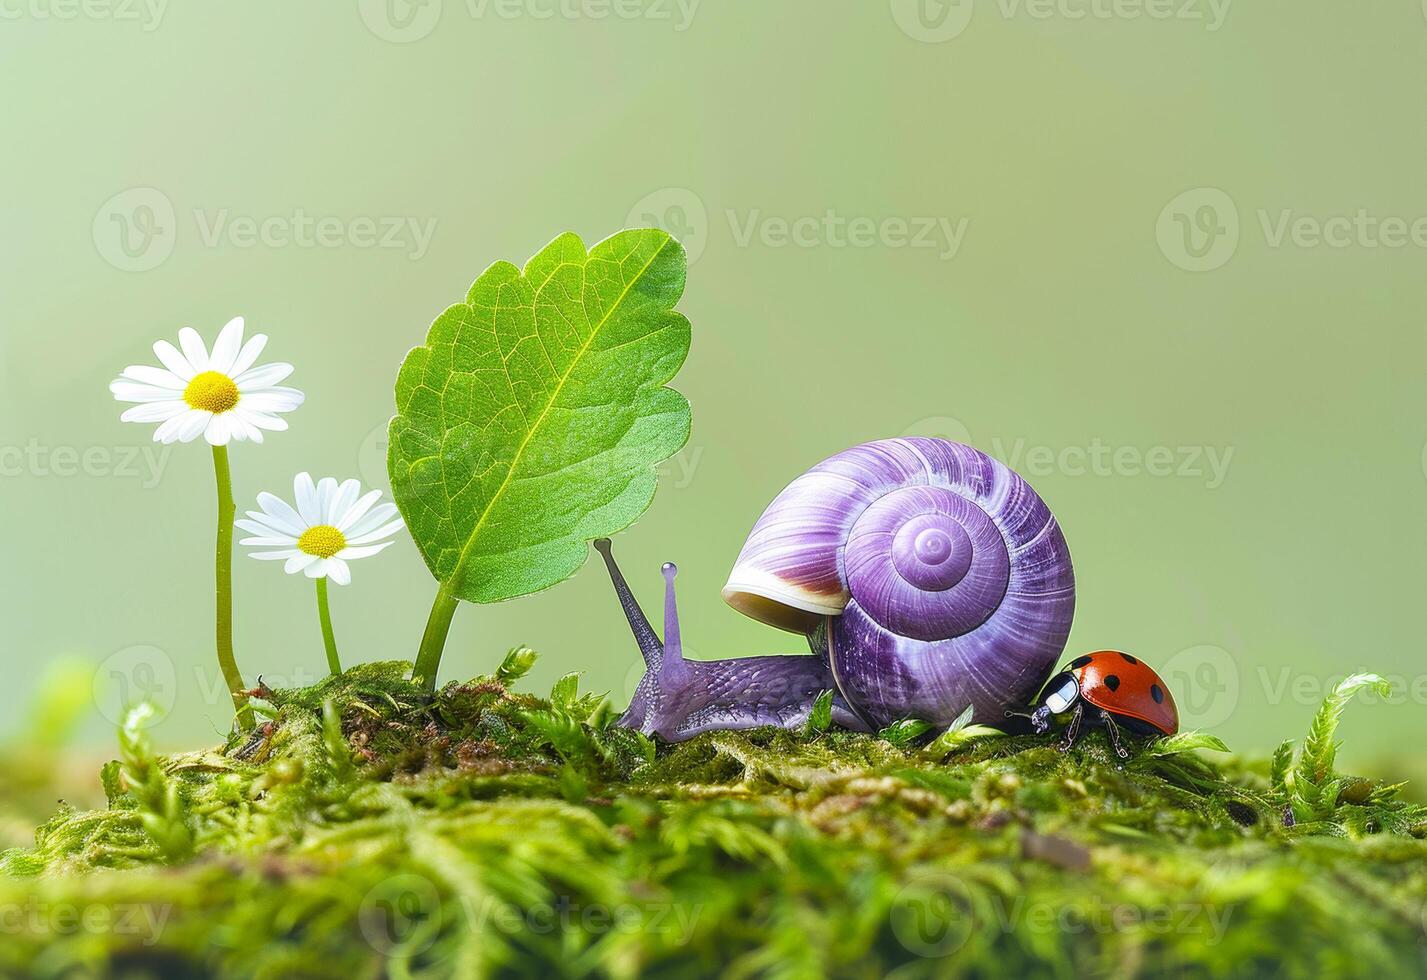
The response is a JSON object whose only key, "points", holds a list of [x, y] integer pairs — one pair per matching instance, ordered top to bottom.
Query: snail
{"points": [[927, 577]]}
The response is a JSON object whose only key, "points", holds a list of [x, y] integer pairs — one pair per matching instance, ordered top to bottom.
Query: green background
{"points": [[1075, 314]]}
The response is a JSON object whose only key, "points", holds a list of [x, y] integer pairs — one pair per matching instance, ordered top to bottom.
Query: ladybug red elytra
{"points": [[1113, 689]]}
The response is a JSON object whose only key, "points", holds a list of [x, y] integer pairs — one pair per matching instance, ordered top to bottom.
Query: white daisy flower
{"points": [[219, 395], [331, 525]]}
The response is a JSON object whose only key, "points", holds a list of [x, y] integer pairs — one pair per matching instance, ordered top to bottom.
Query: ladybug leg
{"points": [[1114, 730], [1072, 731]]}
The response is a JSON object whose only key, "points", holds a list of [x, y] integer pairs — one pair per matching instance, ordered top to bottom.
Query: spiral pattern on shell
{"points": [[942, 577]]}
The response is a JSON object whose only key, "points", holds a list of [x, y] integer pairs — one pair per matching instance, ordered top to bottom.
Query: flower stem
{"points": [[224, 580], [329, 639], [433, 641]]}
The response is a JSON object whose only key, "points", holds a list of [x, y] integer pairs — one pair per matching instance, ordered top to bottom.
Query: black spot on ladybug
{"points": [[1129, 659], [1079, 662], [1112, 682], [1157, 694]]}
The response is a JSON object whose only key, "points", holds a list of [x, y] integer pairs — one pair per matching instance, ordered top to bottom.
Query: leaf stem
{"points": [[223, 575], [324, 616], [433, 641]]}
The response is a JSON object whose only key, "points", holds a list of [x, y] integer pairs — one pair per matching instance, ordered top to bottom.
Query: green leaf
{"points": [[533, 418], [517, 664], [565, 689], [820, 718], [904, 732], [960, 733], [1187, 742], [1319, 750], [1282, 763]]}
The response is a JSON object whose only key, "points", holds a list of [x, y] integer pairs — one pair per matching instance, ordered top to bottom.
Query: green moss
{"points": [[371, 829]]}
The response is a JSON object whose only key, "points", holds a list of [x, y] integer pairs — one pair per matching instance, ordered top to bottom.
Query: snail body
{"points": [[927, 576]]}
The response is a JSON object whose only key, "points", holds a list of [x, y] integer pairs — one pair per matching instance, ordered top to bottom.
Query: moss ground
{"points": [[370, 831]]}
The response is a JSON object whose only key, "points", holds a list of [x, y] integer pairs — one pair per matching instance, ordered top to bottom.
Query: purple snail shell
{"points": [[942, 577]]}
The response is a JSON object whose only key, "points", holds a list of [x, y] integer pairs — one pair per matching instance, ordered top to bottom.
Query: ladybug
{"points": [[1110, 689]]}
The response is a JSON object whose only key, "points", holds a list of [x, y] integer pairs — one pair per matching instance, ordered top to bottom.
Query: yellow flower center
{"points": [[211, 391], [324, 541]]}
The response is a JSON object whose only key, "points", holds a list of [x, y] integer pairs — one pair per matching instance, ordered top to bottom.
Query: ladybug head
{"points": [[1060, 696]]}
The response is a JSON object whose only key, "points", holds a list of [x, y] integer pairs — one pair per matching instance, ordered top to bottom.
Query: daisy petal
{"points": [[226, 347], [193, 349], [248, 356], [174, 361], [157, 377], [263, 377], [133, 391], [272, 399], [154, 412], [263, 420], [193, 424], [218, 431], [168, 432], [326, 491], [305, 494], [347, 495], [355, 512], [279, 513], [374, 518], [264, 528], [385, 531], [267, 542], [348, 554], [275, 555], [298, 562], [317, 569], [338, 571]]}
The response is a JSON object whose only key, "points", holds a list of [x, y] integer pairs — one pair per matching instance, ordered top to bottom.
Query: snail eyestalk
{"points": [[223, 582], [329, 638], [649, 646], [673, 660]]}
